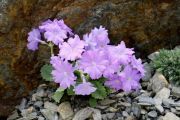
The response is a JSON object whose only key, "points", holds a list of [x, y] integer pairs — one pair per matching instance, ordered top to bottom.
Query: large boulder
{"points": [[146, 25]]}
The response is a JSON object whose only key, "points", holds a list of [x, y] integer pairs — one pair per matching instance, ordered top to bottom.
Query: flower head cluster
{"points": [[92, 57]]}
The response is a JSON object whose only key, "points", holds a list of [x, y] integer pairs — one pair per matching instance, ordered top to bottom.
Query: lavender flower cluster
{"points": [[92, 56]]}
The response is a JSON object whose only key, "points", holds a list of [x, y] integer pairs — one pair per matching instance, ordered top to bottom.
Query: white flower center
{"points": [[94, 64], [65, 74], [129, 78]]}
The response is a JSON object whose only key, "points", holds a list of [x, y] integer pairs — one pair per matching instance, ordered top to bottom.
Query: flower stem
{"points": [[51, 45], [82, 76]]}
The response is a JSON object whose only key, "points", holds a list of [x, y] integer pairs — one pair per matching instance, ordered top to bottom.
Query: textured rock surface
{"points": [[144, 24]]}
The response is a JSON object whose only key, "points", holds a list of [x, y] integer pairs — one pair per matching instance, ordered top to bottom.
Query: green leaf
{"points": [[46, 72], [70, 91], [100, 93], [58, 95], [92, 102]]}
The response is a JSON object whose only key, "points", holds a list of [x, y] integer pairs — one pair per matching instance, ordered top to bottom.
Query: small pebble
{"points": [[152, 114]]}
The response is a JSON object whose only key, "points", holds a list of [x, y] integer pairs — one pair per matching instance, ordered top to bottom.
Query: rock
{"points": [[141, 24], [177, 47], [153, 55], [158, 82], [176, 91], [164, 93], [39, 94], [119, 95], [146, 100], [107, 101], [157, 101], [168, 102], [23, 104], [38, 104], [126, 104], [177, 104], [51, 106], [101, 107], [159, 108], [177, 108], [112, 109], [136, 109], [65, 110], [173, 110], [143, 111], [26, 112], [87, 112], [48, 114], [125, 114], [152, 114], [13, 116], [30, 116], [108, 116], [170, 116], [41, 118], [130, 118]]}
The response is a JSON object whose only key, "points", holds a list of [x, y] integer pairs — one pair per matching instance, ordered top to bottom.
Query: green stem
{"points": [[51, 45]]}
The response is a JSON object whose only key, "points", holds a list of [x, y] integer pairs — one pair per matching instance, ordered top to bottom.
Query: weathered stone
{"points": [[141, 24], [152, 56], [148, 72], [158, 81], [176, 91], [164, 93], [148, 100], [107, 101], [168, 102], [23, 104], [38, 104], [51, 106], [159, 108], [136, 109], [65, 110], [87, 112], [48, 114], [125, 114], [152, 114], [13, 116], [108, 116], [170, 116], [130, 118]]}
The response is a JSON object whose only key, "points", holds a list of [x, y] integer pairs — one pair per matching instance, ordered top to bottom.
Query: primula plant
{"points": [[168, 63], [88, 65]]}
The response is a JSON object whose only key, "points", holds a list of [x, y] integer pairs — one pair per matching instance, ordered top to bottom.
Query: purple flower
{"points": [[44, 25], [65, 27], [55, 31], [55, 34], [100, 36], [34, 37], [96, 39], [90, 42], [72, 49], [121, 53], [55, 61], [94, 63], [137, 64], [112, 66], [63, 73], [130, 79], [114, 82], [85, 88]]}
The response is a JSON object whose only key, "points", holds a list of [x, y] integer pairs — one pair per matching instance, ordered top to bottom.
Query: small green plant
{"points": [[168, 63]]}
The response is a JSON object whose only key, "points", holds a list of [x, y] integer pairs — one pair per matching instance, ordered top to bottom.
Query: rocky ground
{"points": [[156, 100]]}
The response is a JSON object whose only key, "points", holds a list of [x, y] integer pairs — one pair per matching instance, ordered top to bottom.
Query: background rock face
{"points": [[144, 24]]}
